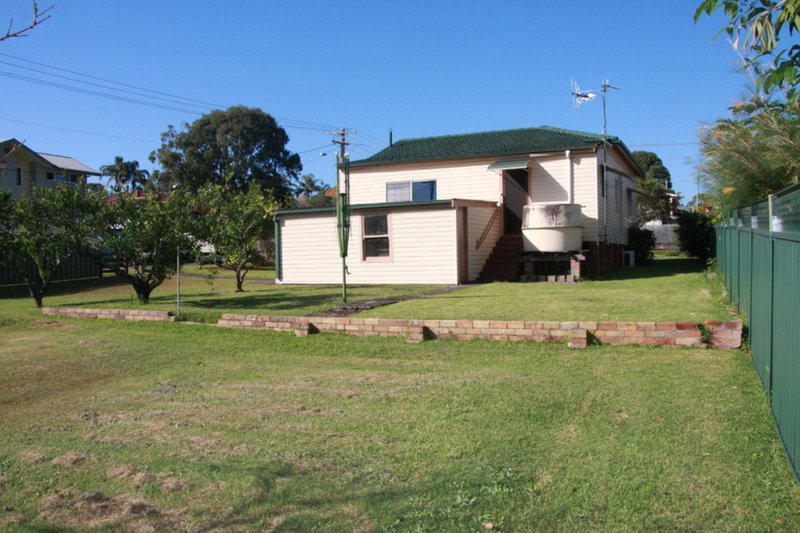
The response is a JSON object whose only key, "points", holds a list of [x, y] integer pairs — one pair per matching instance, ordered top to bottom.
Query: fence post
{"points": [[771, 204]]}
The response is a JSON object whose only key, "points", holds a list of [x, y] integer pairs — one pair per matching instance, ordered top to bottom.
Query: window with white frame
{"points": [[411, 191], [375, 240]]}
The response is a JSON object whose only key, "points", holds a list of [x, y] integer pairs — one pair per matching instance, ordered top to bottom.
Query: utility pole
{"points": [[343, 199]]}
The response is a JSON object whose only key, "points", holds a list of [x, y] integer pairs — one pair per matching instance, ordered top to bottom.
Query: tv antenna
{"points": [[581, 96]]}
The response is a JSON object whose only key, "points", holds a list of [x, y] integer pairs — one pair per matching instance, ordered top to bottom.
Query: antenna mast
{"points": [[581, 96]]}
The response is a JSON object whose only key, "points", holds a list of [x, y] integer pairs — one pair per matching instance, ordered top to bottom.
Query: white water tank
{"points": [[552, 227]]}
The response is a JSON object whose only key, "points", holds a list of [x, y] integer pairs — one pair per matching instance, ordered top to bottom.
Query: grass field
{"points": [[670, 289], [204, 300], [110, 426], [114, 426], [128, 426]]}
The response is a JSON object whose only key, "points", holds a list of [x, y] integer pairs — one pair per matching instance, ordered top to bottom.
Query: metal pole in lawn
{"points": [[343, 213], [178, 289]]}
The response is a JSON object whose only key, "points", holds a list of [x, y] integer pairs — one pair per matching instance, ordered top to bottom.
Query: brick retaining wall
{"points": [[116, 314], [576, 334], [727, 335]]}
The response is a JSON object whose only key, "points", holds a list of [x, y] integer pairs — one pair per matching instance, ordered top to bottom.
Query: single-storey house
{"points": [[22, 169], [458, 208]]}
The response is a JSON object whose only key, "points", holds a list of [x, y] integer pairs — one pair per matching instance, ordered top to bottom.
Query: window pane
{"points": [[423, 190], [398, 192], [376, 225], [376, 247]]}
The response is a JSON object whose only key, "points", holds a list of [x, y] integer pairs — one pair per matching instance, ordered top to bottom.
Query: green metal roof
{"points": [[489, 143]]}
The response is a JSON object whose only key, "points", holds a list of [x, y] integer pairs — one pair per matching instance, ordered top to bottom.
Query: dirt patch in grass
{"points": [[56, 324], [33, 456], [68, 460], [138, 478], [95, 509], [11, 520]]}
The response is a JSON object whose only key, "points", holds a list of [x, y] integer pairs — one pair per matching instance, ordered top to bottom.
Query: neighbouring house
{"points": [[22, 169], [470, 207]]}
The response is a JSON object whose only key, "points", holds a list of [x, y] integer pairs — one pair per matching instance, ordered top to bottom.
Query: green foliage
{"points": [[756, 27], [232, 148], [753, 154], [125, 175], [321, 200], [653, 200], [234, 223], [39, 232], [144, 233], [696, 235], [643, 244]]}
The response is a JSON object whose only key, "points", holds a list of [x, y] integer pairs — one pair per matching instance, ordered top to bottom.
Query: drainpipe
{"points": [[571, 177], [277, 253]]}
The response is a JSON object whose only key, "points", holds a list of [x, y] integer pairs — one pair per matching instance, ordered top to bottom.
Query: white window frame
{"points": [[410, 185]]}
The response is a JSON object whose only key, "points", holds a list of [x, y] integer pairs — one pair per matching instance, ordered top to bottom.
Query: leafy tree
{"points": [[756, 27], [234, 148], [751, 155], [125, 175], [308, 186], [655, 189], [321, 200], [234, 223], [39, 232], [144, 234], [696, 234], [643, 243]]}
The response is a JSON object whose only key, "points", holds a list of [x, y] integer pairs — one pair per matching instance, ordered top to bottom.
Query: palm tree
{"points": [[125, 174], [309, 185]]}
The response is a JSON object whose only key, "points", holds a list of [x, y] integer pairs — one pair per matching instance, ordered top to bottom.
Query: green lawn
{"points": [[671, 289], [204, 300], [115, 426]]}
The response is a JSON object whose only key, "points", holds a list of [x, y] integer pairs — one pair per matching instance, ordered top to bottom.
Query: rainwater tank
{"points": [[552, 227]]}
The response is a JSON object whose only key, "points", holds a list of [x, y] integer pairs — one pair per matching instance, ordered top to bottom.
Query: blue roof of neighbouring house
{"points": [[488, 143]]}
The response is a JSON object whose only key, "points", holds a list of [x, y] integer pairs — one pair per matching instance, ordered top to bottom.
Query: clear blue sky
{"points": [[422, 68]]}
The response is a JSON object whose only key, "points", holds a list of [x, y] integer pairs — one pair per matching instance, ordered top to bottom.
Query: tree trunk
{"points": [[240, 274], [142, 288]]}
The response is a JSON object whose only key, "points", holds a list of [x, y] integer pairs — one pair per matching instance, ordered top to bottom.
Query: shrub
{"points": [[696, 235], [643, 243]]}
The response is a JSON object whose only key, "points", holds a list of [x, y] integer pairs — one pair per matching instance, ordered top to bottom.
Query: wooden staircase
{"points": [[503, 262]]}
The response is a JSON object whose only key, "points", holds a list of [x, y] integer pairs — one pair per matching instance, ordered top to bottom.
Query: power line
{"points": [[109, 81], [95, 93], [172, 101], [286, 122], [96, 134], [315, 149]]}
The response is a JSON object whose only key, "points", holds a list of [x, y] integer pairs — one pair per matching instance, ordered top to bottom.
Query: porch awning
{"points": [[510, 164]]}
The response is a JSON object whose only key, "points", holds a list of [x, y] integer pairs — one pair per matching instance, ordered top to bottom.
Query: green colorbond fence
{"points": [[758, 253], [75, 267]]}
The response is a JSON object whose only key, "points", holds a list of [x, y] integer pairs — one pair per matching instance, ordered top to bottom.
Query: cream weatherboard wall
{"points": [[468, 180], [619, 199], [423, 248]]}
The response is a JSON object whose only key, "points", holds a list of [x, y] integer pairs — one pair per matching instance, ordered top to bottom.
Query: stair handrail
{"points": [[488, 227]]}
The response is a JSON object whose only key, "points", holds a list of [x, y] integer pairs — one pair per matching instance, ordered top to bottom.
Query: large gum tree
{"points": [[233, 148]]}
